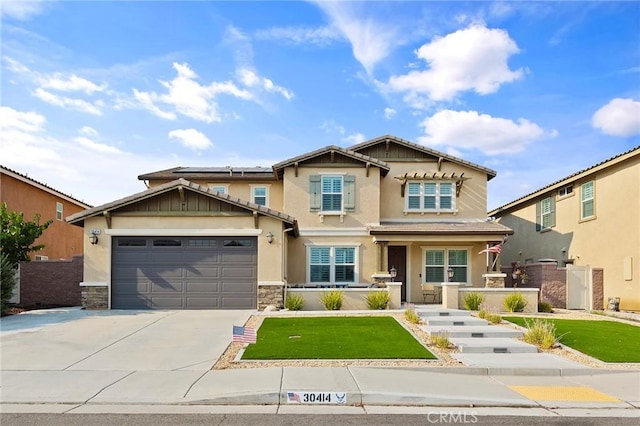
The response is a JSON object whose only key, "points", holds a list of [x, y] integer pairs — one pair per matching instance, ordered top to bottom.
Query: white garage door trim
{"points": [[150, 232]]}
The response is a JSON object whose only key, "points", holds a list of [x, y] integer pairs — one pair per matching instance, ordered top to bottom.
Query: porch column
{"points": [[383, 253]]}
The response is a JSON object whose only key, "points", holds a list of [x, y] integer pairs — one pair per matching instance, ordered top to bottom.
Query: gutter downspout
{"points": [[285, 245]]}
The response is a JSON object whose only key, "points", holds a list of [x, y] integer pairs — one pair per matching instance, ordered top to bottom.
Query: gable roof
{"points": [[390, 138], [331, 149], [211, 173], [569, 179], [42, 186], [78, 218]]}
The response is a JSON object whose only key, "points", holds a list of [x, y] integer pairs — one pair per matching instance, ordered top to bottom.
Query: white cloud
{"points": [[22, 9], [319, 36], [371, 39], [474, 58], [251, 79], [70, 83], [188, 97], [146, 100], [68, 103], [389, 113], [620, 117], [13, 120], [330, 126], [471, 130], [88, 131], [191, 138], [355, 138], [96, 146]]}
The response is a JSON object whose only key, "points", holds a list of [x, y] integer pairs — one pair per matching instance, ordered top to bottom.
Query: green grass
{"points": [[335, 338], [608, 341]]}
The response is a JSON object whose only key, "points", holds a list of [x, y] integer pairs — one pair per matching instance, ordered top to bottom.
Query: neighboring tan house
{"points": [[22, 194], [589, 218], [220, 237]]}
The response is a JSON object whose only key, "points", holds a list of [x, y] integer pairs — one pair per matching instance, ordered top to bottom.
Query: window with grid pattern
{"points": [[331, 193], [430, 196], [587, 209], [332, 264]]}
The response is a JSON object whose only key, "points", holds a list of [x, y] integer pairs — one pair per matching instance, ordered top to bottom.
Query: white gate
{"points": [[579, 285]]}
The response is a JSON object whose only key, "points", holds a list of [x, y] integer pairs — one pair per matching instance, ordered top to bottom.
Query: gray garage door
{"points": [[184, 273]]}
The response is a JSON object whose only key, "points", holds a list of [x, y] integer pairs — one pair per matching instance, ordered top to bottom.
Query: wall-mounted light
{"points": [[93, 237], [269, 237], [393, 272], [450, 273]]}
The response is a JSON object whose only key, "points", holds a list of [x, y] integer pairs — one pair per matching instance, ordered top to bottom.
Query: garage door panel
{"points": [[184, 273], [203, 287]]}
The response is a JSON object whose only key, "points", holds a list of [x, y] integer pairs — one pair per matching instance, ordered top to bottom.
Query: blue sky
{"points": [[96, 93]]}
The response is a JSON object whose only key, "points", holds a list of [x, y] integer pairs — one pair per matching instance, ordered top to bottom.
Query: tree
{"points": [[17, 235], [7, 282]]}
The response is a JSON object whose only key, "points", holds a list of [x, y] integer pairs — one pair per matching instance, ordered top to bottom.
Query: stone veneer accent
{"points": [[597, 276], [494, 280], [270, 295], [95, 297]]}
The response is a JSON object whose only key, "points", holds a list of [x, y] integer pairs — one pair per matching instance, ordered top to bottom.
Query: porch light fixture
{"points": [[93, 237], [269, 237], [393, 272], [450, 273]]}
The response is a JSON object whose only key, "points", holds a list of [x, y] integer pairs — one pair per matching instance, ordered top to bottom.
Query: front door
{"points": [[397, 258]]}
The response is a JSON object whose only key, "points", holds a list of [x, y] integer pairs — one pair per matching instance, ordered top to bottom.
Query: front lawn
{"points": [[335, 338], [608, 341]]}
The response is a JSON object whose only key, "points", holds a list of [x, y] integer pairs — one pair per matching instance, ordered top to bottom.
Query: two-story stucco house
{"points": [[30, 197], [589, 218], [215, 237]]}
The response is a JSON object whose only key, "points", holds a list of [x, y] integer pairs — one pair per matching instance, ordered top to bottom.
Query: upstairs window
{"points": [[223, 189], [565, 191], [332, 193], [259, 194], [430, 196], [587, 208], [59, 211], [545, 214]]}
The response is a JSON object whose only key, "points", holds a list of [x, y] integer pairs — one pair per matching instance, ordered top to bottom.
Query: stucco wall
{"points": [[61, 240], [603, 242], [494, 298], [354, 299]]}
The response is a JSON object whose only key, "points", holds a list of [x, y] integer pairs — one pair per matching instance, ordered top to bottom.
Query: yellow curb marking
{"points": [[563, 393]]}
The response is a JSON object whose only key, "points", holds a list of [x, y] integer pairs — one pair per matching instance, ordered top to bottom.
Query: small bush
{"points": [[7, 281], [332, 300], [377, 300], [473, 300], [294, 302], [515, 302], [545, 307], [482, 313], [411, 315], [494, 318], [541, 333], [441, 339]]}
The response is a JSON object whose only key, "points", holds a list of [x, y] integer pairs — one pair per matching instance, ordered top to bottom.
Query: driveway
{"points": [[117, 340]]}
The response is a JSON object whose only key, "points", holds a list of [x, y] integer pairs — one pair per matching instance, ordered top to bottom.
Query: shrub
{"points": [[7, 281], [332, 300], [378, 300], [473, 300], [294, 302], [515, 302], [545, 307], [411, 315], [494, 318], [541, 333], [441, 339]]}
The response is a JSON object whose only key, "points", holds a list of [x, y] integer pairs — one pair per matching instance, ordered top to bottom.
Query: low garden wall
{"points": [[494, 297], [354, 298]]}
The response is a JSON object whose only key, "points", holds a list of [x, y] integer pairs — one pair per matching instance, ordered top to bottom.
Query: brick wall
{"points": [[51, 283]]}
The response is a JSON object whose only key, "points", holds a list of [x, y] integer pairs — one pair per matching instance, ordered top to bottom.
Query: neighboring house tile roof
{"points": [[279, 168], [490, 172], [212, 173], [569, 179], [42, 186], [78, 218], [461, 227]]}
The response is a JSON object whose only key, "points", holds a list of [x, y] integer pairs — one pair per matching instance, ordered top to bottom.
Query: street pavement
{"points": [[74, 361]]}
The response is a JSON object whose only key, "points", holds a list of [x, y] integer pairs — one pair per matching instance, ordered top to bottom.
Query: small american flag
{"points": [[495, 249], [244, 334], [293, 397]]}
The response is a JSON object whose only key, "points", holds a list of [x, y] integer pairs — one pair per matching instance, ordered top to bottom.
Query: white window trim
{"points": [[219, 185], [267, 193], [322, 193], [566, 195], [582, 200], [61, 210], [438, 210], [543, 214], [446, 249], [356, 268]]}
